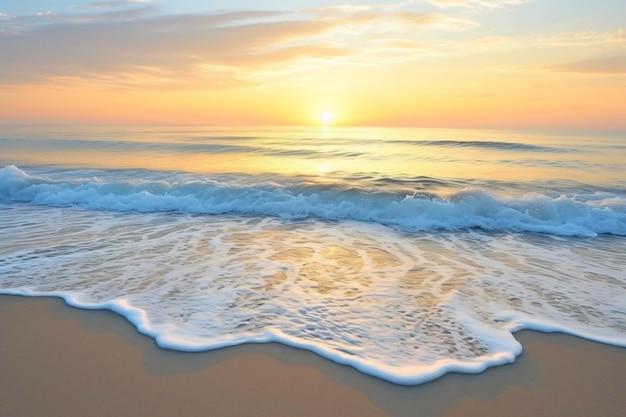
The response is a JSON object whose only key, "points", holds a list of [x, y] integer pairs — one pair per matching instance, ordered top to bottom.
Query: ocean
{"points": [[405, 253]]}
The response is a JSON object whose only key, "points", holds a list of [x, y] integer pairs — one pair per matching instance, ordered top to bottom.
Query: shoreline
{"points": [[57, 360]]}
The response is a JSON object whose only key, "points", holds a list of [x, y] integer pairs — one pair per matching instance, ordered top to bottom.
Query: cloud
{"points": [[113, 4], [489, 4], [618, 36], [613, 43], [137, 46], [176, 47], [601, 65]]}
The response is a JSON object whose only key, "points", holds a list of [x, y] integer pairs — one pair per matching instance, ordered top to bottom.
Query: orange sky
{"points": [[440, 63]]}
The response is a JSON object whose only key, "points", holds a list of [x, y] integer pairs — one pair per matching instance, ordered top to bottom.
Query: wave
{"points": [[236, 144], [119, 145], [222, 145], [509, 146], [585, 215]]}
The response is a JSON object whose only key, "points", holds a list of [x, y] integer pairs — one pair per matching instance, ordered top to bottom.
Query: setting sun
{"points": [[326, 117]]}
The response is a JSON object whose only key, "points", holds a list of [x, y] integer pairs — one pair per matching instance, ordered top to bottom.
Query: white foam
{"points": [[585, 215], [405, 307]]}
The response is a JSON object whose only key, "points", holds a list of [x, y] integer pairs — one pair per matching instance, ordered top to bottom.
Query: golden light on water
{"points": [[323, 151]]}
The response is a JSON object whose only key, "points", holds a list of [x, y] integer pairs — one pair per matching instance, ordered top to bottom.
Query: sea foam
{"points": [[585, 215], [403, 306]]}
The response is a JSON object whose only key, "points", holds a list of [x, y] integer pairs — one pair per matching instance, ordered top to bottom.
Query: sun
{"points": [[326, 117]]}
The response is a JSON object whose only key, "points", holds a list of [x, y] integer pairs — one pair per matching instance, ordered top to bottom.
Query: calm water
{"points": [[405, 253]]}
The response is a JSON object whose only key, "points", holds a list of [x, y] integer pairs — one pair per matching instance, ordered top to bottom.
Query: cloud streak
{"points": [[489, 4], [137, 46], [601, 65]]}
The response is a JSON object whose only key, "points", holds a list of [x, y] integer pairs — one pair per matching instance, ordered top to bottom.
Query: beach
{"points": [[312, 209], [60, 361]]}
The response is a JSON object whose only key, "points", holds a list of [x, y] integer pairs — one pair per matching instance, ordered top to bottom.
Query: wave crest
{"points": [[585, 215]]}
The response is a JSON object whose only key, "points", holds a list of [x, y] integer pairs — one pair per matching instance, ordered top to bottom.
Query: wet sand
{"points": [[59, 361]]}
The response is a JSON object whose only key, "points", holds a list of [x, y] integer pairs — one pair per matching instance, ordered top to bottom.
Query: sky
{"points": [[534, 64]]}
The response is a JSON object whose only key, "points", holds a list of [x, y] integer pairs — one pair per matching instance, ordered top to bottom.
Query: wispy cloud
{"points": [[113, 4], [490, 4], [580, 39], [126, 46], [177, 47], [607, 50], [601, 65]]}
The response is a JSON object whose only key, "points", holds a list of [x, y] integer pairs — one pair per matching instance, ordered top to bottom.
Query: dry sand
{"points": [[60, 361]]}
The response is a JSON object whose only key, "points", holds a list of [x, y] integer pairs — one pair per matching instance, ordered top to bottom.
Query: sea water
{"points": [[405, 253]]}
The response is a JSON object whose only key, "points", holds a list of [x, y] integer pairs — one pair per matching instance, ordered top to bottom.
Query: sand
{"points": [[59, 361]]}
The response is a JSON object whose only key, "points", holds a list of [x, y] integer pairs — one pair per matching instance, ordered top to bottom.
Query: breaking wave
{"points": [[581, 214]]}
